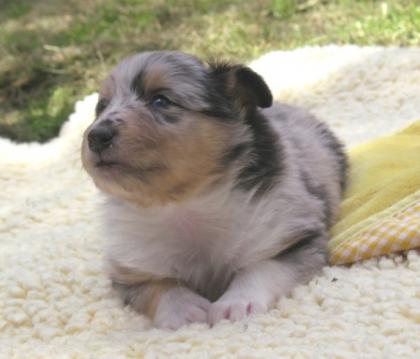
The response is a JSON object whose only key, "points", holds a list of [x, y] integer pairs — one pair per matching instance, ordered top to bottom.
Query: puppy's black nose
{"points": [[100, 137]]}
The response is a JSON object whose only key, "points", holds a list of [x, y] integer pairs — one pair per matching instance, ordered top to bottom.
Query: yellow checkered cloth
{"points": [[381, 209]]}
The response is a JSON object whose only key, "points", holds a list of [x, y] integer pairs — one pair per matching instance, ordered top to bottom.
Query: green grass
{"points": [[54, 52]]}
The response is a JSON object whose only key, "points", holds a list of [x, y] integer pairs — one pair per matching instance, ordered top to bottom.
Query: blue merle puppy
{"points": [[218, 201]]}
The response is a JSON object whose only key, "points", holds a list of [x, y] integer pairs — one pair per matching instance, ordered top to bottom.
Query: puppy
{"points": [[218, 202]]}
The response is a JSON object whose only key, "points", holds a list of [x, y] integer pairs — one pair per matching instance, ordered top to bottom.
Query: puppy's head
{"points": [[165, 124]]}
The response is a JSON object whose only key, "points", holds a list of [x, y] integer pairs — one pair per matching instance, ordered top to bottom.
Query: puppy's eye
{"points": [[160, 101], [101, 106]]}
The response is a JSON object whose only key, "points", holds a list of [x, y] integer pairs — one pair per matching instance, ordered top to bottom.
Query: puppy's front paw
{"points": [[180, 306], [234, 309]]}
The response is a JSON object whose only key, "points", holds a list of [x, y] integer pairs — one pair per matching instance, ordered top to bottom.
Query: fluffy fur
{"points": [[216, 207]]}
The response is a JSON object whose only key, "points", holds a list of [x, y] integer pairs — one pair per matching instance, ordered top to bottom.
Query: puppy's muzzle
{"points": [[101, 136]]}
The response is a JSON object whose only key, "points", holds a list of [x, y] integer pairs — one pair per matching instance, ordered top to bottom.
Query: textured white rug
{"points": [[55, 301]]}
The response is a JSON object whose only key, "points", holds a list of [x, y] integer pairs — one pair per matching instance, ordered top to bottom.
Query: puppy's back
{"points": [[313, 151]]}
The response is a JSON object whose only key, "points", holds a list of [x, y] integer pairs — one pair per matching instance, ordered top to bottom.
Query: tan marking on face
{"points": [[156, 77], [138, 135], [194, 156], [189, 158], [167, 164]]}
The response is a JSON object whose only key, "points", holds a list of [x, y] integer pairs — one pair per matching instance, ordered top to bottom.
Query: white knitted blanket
{"points": [[55, 301]]}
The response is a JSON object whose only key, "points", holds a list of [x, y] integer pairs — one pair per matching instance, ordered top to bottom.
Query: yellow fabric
{"points": [[380, 213]]}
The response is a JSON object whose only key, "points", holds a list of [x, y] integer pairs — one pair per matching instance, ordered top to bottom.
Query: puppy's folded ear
{"points": [[242, 84]]}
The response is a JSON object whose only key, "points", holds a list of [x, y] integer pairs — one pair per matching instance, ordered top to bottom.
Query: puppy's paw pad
{"points": [[234, 310]]}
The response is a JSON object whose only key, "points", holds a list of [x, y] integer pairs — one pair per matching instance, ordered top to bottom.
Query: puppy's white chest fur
{"points": [[188, 225], [205, 242], [196, 245]]}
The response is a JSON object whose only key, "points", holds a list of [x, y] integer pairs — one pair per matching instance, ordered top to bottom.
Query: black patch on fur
{"points": [[240, 82], [137, 85], [232, 85], [229, 86], [255, 87], [219, 100], [101, 106], [219, 113], [163, 116], [170, 118], [336, 147], [235, 153], [264, 162], [319, 192], [304, 239], [310, 242], [127, 293]]}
